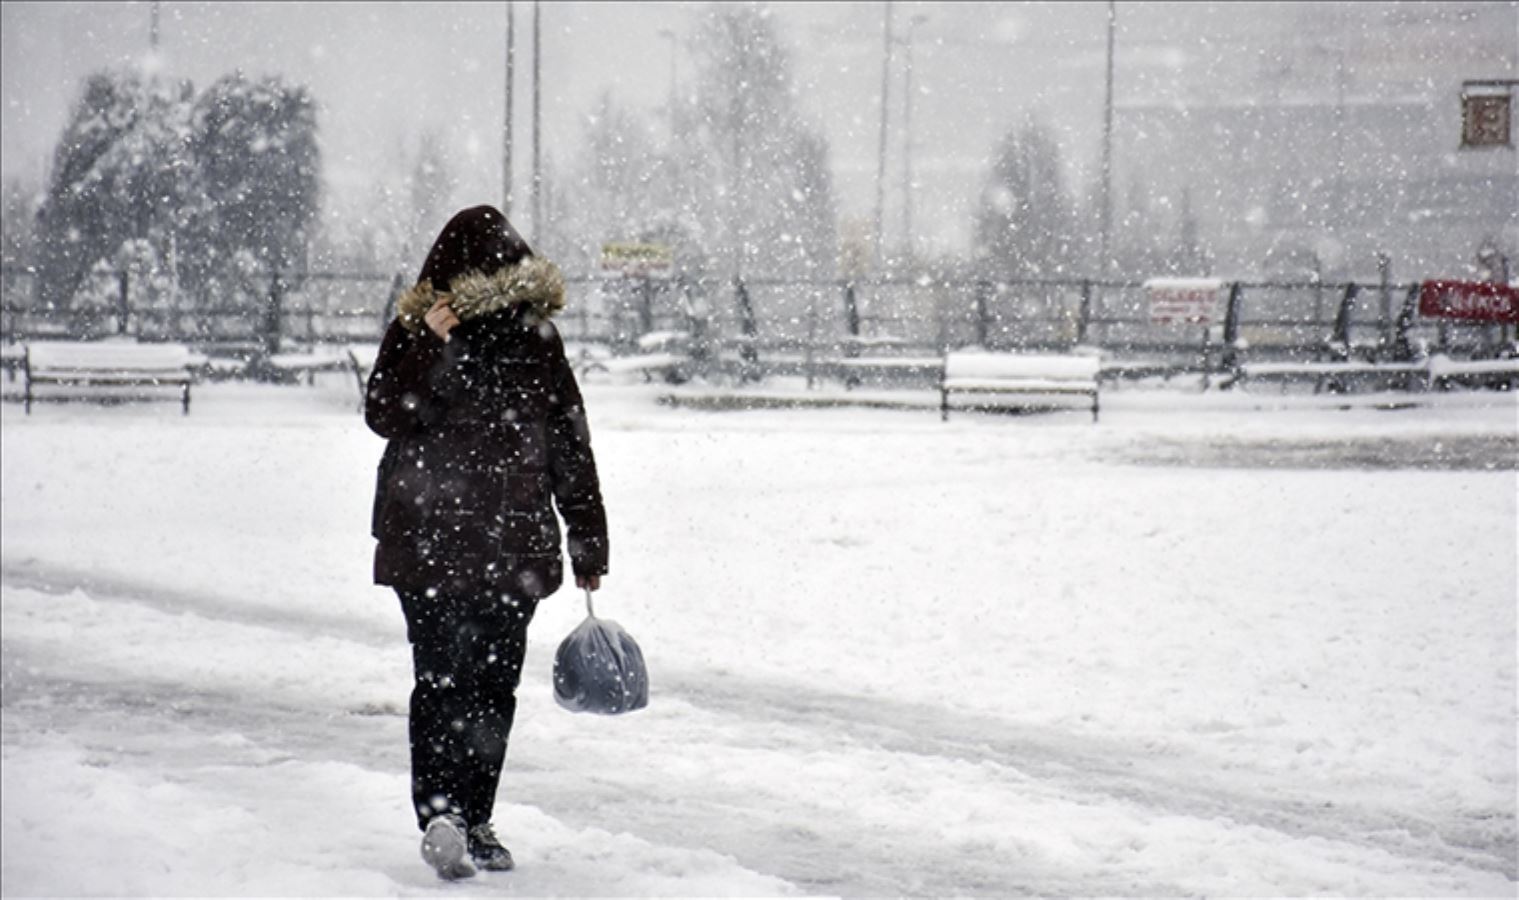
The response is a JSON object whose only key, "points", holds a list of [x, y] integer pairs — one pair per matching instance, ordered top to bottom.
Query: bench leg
{"points": [[358, 376], [186, 401], [943, 405], [1094, 407]]}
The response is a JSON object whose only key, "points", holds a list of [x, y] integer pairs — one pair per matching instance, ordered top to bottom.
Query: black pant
{"points": [[467, 654]]}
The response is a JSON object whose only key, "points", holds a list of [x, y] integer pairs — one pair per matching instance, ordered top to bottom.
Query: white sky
{"points": [[384, 71]]}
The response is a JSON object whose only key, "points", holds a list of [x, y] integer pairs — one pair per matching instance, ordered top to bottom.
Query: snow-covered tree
{"points": [[257, 167], [119, 174], [614, 182], [742, 184], [431, 186], [770, 208], [18, 224], [1025, 224], [1190, 256]]}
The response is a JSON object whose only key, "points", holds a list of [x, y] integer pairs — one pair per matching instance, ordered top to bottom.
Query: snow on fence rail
{"points": [[775, 323]]}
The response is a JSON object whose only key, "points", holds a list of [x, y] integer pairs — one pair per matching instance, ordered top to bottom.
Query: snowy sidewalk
{"points": [[1190, 652]]}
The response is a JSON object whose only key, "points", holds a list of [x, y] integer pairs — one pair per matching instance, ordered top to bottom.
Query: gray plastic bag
{"points": [[600, 669]]}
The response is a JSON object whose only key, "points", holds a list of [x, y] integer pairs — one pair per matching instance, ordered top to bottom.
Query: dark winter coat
{"points": [[487, 433]]}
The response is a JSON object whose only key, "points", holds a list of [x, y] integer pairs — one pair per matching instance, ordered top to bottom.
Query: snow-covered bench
{"points": [[663, 353], [308, 362], [670, 366], [877, 369], [108, 370], [1330, 372], [1439, 372], [1445, 372], [993, 375]]}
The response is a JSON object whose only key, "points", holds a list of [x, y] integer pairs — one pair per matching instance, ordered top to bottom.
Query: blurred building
{"points": [[1327, 135]]}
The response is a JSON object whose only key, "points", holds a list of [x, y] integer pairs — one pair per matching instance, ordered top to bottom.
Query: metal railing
{"points": [[764, 318]]}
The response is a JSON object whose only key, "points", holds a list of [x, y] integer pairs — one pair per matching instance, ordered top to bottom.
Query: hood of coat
{"points": [[534, 282]]}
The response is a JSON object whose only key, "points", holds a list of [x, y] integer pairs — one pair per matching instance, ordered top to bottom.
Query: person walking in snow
{"points": [[487, 434]]}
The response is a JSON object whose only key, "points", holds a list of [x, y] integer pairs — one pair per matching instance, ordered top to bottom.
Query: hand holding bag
{"points": [[599, 668]]}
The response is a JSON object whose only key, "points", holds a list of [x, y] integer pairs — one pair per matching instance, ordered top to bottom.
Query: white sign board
{"points": [[634, 260], [1193, 301]]}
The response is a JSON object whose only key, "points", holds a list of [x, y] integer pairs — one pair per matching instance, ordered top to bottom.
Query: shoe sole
{"points": [[444, 848], [505, 865]]}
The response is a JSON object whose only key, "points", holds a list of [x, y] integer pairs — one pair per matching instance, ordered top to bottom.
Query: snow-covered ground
{"points": [[1236, 645]]}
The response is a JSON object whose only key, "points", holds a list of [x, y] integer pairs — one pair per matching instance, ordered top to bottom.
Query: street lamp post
{"points": [[537, 124], [506, 127], [1107, 151], [881, 163], [907, 241]]}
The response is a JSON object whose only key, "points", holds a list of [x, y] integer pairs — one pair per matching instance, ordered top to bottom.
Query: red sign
{"points": [[1193, 300], [1474, 300]]}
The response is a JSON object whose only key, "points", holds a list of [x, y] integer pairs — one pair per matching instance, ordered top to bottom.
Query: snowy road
{"points": [[230, 720], [820, 830]]}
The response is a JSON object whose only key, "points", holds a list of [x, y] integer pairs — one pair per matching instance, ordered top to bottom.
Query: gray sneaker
{"points": [[444, 847], [487, 852]]}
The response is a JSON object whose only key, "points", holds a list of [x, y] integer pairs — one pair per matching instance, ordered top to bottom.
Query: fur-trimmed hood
{"points": [[534, 281]]}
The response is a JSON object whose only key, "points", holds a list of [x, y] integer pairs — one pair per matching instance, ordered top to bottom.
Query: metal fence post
{"points": [[123, 301], [645, 305], [982, 310], [273, 312], [1084, 316], [1384, 318], [851, 319], [1341, 333], [812, 338], [1402, 348], [748, 353], [1230, 357]]}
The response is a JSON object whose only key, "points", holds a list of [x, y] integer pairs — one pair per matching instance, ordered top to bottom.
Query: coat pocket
{"points": [[527, 515]]}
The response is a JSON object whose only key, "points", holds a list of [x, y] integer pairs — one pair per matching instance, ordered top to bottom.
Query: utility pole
{"points": [[153, 30], [669, 35], [537, 123], [1340, 124], [506, 129], [1107, 152], [881, 165], [739, 191], [907, 241]]}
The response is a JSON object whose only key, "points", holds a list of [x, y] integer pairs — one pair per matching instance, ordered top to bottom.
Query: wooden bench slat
{"points": [[107, 357], [886, 362], [992, 365], [108, 367], [1440, 367], [1314, 370], [991, 374], [76, 377], [1022, 386]]}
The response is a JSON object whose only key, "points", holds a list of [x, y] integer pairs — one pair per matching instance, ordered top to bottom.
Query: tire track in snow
{"points": [[51, 578], [127, 724], [1150, 778], [1156, 778]]}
